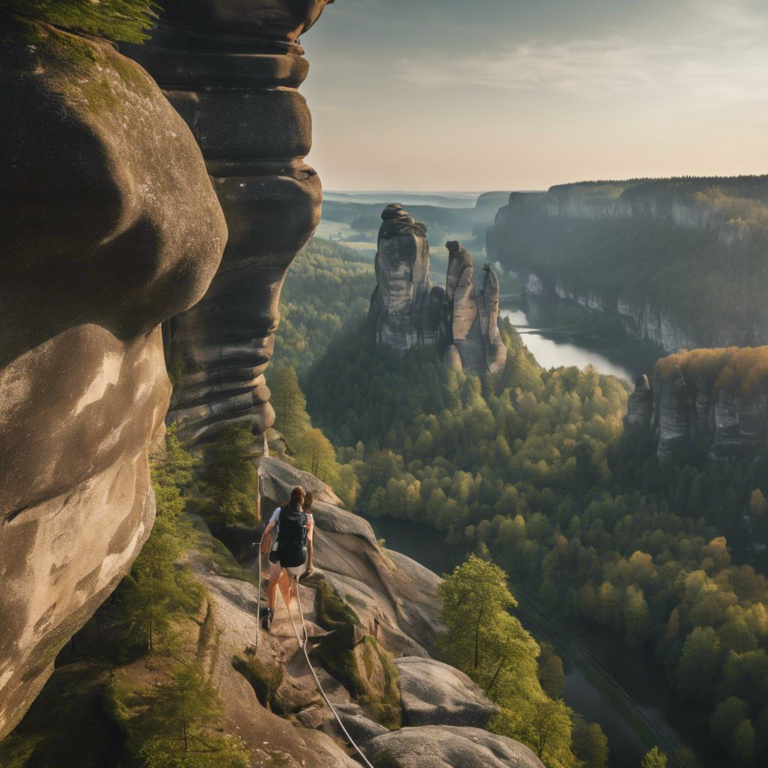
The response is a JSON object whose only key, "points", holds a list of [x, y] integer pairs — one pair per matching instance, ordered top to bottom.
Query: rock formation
{"points": [[232, 70], [102, 242], [555, 242], [407, 311], [472, 314], [696, 397], [433, 692], [447, 746]]}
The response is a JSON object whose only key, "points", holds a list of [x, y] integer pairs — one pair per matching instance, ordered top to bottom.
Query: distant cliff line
{"points": [[680, 262]]}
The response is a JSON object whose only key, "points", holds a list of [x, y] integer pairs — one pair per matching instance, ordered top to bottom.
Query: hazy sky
{"points": [[522, 94]]}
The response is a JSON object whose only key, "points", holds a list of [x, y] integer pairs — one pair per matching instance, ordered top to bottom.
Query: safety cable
{"points": [[303, 646]]}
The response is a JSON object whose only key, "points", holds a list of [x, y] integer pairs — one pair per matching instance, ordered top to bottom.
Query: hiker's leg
{"points": [[275, 571], [285, 588]]}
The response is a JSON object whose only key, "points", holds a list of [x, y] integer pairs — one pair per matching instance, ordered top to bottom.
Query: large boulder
{"points": [[232, 69], [109, 226], [433, 693], [449, 747]]}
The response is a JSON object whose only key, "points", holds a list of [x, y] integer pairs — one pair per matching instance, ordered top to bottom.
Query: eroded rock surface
{"points": [[233, 70], [102, 241], [403, 309], [408, 311], [688, 402], [640, 404], [392, 595], [434, 693], [450, 747]]}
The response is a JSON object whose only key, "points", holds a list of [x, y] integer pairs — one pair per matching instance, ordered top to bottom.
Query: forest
{"points": [[533, 469]]}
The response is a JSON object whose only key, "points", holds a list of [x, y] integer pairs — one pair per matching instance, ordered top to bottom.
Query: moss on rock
{"points": [[331, 611], [357, 661], [264, 680]]}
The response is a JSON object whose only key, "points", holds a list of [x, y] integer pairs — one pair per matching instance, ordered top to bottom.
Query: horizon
{"points": [[505, 95]]}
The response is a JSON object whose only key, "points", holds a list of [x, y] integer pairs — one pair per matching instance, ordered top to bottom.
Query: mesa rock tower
{"points": [[408, 311]]}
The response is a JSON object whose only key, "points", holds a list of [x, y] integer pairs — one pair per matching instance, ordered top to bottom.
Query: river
{"points": [[563, 333], [623, 690]]}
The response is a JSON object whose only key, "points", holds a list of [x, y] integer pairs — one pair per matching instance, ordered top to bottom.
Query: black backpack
{"points": [[292, 536]]}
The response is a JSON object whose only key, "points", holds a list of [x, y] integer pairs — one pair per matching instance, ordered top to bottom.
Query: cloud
{"points": [[589, 68], [709, 68]]}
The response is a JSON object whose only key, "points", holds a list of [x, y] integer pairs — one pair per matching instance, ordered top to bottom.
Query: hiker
{"points": [[291, 550]]}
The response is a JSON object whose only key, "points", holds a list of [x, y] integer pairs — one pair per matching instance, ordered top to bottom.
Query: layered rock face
{"points": [[232, 70], [703, 235], [103, 242], [407, 311], [472, 314], [682, 407]]}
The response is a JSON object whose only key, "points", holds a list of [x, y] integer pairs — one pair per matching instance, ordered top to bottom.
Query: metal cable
{"points": [[303, 646]]}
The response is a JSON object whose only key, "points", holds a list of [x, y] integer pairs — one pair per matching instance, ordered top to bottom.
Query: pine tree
{"points": [[289, 403], [654, 759]]}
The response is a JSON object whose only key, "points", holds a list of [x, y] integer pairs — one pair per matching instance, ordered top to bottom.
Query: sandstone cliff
{"points": [[233, 70], [103, 242], [676, 261], [407, 311], [715, 397]]}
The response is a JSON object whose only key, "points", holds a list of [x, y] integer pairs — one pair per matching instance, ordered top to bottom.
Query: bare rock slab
{"points": [[433, 693], [450, 747]]}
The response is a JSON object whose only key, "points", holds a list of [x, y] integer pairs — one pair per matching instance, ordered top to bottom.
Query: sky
{"points": [[480, 95]]}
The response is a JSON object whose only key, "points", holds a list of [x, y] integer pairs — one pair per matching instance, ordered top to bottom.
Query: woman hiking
{"points": [[291, 550]]}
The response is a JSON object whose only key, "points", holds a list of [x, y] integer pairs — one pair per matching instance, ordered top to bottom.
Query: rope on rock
{"points": [[303, 646]]}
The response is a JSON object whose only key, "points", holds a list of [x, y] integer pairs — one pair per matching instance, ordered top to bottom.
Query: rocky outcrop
{"points": [[232, 70], [103, 242], [407, 311], [472, 314], [697, 397], [640, 404], [367, 577], [433, 693], [450, 747]]}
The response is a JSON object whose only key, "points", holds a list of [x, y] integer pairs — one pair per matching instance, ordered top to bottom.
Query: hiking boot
{"points": [[266, 621]]}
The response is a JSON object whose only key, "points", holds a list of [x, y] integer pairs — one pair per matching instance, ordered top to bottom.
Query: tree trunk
{"points": [[477, 632]]}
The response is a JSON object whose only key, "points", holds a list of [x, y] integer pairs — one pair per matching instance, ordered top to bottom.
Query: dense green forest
{"points": [[707, 275], [328, 285], [533, 468]]}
